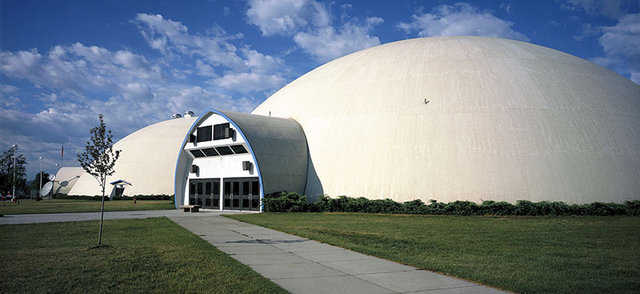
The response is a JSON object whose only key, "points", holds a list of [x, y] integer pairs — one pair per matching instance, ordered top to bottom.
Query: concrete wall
{"points": [[506, 120]]}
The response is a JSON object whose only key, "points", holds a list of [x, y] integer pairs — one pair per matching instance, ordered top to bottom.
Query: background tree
{"points": [[99, 160], [6, 172], [34, 185]]}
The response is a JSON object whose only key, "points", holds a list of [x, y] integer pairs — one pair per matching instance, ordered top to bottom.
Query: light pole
{"points": [[40, 161], [13, 190]]}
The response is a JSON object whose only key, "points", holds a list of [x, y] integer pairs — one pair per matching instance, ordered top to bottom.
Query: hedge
{"points": [[106, 198], [292, 202]]}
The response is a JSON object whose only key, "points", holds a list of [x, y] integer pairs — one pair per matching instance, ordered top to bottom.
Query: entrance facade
{"points": [[237, 193]]}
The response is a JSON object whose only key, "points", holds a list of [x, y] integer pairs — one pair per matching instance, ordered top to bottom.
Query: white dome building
{"points": [[448, 118], [466, 118]]}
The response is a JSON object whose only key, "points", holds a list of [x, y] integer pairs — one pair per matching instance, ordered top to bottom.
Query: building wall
{"points": [[505, 120], [277, 148], [227, 166], [66, 178]]}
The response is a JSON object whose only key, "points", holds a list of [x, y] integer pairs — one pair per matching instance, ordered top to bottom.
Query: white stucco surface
{"points": [[506, 120], [147, 160]]}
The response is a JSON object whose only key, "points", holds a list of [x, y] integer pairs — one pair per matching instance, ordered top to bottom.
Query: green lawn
{"points": [[64, 205], [522, 254], [145, 255]]}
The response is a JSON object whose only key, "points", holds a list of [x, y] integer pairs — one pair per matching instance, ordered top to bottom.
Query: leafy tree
{"points": [[99, 160], [6, 171]]}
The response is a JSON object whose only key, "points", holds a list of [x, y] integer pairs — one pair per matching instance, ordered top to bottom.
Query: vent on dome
{"points": [[189, 113], [176, 115]]}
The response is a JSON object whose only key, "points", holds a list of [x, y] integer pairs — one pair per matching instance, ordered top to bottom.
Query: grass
{"points": [[65, 205], [522, 254], [145, 255]]}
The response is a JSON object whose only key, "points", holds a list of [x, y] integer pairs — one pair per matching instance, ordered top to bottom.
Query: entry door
{"points": [[205, 192], [241, 194]]}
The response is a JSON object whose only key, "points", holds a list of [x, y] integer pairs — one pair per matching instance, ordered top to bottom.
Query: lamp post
{"points": [[40, 162], [13, 189]]}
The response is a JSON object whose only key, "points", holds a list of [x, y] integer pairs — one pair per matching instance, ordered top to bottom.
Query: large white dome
{"points": [[505, 120]]}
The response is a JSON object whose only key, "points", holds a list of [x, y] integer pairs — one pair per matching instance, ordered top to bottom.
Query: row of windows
{"points": [[217, 132], [218, 151], [230, 188]]}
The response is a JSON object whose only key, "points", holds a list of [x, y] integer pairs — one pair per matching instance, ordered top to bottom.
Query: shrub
{"points": [[292, 202]]}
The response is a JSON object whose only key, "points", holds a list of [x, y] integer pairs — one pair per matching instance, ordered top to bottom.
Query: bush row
{"points": [[106, 198], [292, 202]]}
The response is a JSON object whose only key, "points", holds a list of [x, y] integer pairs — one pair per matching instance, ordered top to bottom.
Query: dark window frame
{"points": [[220, 131], [204, 134]]}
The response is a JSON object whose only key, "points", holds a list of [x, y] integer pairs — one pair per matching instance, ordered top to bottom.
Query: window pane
{"points": [[220, 131], [204, 134], [238, 149], [224, 150], [210, 152], [197, 153], [199, 188], [207, 188], [216, 188], [227, 188], [236, 188], [245, 188], [255, 188], [192, 189], [236, 203], [245, 203]]}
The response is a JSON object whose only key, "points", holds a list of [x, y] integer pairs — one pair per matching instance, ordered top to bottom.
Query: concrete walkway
{"points": [[88, 216], [301, 265]]}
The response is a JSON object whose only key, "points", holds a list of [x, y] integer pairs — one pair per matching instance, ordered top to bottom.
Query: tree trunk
{"points": [[101, 215]]}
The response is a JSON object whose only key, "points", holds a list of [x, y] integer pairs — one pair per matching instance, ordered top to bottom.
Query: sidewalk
{"points": [[13, 219], [301, 265]]}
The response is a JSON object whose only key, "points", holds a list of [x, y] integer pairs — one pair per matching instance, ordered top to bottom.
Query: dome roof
{"points": [[466, 118], [147, 160]]}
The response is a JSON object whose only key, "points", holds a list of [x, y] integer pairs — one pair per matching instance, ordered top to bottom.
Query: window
{"points": [[221, 131], [204, 134], [192, 138], [238, 149], [224, 150], [210, 152], [197, 153], [199, 188], [207, 188], [216, 188], [236, 188], [245, 188], [255, 188], [192, 189], [227, 189]]}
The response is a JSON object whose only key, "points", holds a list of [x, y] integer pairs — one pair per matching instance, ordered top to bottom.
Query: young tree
{"points": [[99, 160], [6, 171]]}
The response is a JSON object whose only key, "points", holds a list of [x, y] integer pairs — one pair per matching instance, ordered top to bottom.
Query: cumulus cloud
{"points": [[460, 19], [312, 27], [327, 43], [620, 44], [73, 83]]}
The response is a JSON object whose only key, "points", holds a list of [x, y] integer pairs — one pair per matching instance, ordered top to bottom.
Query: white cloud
{"points": [[285, 17], [460, 19], [309, 23], [171, 37], [327, 43], [620, 44], [75, 82], [249, 82]]}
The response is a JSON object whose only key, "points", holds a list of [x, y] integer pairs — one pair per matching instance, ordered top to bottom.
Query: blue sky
{"points": [[63, 62]]}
